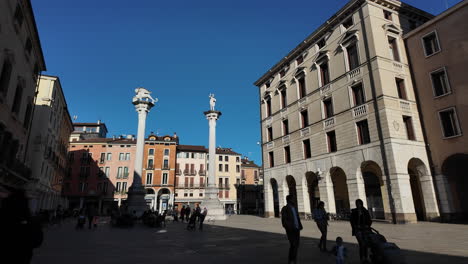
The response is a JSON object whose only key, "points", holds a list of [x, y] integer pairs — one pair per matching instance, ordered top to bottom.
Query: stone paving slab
{"points": [[240, 239]]}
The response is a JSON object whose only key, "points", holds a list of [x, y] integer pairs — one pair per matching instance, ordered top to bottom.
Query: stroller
{"points": [[192, 222], [381, 251]]}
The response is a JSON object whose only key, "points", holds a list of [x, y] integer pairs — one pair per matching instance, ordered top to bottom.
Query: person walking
{"points": [[198, 212], [90, 213], [182, 213], [187, 213], [202, 218], [321, 218], [292, 224], [361, 225], [20, 233]]}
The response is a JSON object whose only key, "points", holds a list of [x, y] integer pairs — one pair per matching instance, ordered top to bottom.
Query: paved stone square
{"points": [[240, 239]]}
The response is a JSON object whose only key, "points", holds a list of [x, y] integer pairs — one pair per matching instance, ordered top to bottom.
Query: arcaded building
{"points": [[438, 63], [340, 121]]}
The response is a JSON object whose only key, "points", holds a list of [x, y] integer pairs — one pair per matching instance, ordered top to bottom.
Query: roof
{"points": [[88, 124], [152, 138], [105, 140], [192, 148], [226, 151], [249, 163]]}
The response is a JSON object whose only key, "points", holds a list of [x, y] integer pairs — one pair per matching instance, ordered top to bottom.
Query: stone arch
{"points": [[455, 168], [416, 170], [311, 181], [291, 183], [340, 189], [375, 189], [150, 191], [274, 191], [163, 199]]}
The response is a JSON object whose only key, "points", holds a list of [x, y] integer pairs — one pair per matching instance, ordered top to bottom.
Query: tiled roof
{"points": [[105, 140], [192, 148], [226, 151], [249, 163]]}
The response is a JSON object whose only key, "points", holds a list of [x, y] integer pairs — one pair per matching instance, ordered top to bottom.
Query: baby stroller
{"points": [[192, 222], [381, 251]]}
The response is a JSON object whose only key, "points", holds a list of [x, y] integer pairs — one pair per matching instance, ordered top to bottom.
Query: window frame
{"points": [[353, 42], [424, 46], [392, 54], [444, 69], [404, 93], [353, 96], [324, 109], [304, 122], [408, 122], [457, 122], [360, 134], [329, 145], [309, 148], [287, 154]]}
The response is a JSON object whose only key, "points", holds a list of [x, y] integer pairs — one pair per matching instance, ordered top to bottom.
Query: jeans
{"points": [[322, 226], [360, 236], [294, 238]]}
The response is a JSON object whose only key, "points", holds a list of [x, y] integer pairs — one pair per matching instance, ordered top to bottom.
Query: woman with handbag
{"points": [[321, 218]]}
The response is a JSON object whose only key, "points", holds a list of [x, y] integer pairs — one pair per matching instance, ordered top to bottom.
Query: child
{"points": [[339, 251]]}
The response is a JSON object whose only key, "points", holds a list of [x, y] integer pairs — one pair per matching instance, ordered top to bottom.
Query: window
{"points": [[19, 15], [387, 15], [348, 23], [321, 43], [431, 44], [28, 46], [393, 47], [353, 56], [300, 59], [282, 73], [324, 74], [5, 76], [440, 82], [400, 84], [302, 87], [358, 94], [283, 98], [17, 99], [268, 107], [328, 107], [304, 119], [449, 122], [285, 127], [409, 127], [363, 132], [269, 134], [331, 140], [306, 148], [151, 152], [166, 152], [187, 155], [193, 155], [287, 155], [109, 156], [121, 156], [127, 156], [103, 157], [220, 158], [226, 158], [237, 159], [271, 159], [150, 163], [166, 164], [220, 167], [226, 167], [237, 168], [192, 169], [107, 172], [119, 172], [125, 172], [149, 178], [165, 178], [83, 186], [117, 186], [124, 187], [185, 194], [200, 194]]}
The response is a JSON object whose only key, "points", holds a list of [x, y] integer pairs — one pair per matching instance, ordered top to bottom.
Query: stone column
{"points": [[356, 189], [136, 193], [327, 195], [402, 196], [429, 196], [269, 200], [303, 200], [447, 209]]}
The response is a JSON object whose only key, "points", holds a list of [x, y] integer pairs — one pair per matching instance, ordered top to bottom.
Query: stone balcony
{"points": [[360, 110]]}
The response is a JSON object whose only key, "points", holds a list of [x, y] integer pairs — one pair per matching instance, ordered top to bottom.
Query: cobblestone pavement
{"points": [[240, 239]]}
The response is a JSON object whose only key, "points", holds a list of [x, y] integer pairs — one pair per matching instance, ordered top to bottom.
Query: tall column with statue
{"points": [[136, 193], [211, 201]]}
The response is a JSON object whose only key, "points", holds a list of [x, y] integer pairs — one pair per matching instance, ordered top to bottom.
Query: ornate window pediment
{"points": [[392, 28], [349, 36], [299, 71]]}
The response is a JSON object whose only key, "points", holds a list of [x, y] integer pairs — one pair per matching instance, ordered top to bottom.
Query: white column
{"points": [[212, 149]]}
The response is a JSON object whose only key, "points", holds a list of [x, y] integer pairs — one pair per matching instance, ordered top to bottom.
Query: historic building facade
{"points": [[21, 61], [438, 64], [340, 121], [48, 145], [228, 164], [159, 166], [191, 175], [250, 195]]}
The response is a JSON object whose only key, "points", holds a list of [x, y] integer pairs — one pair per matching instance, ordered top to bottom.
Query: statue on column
{"points": [[143, 95], [212, 102]]}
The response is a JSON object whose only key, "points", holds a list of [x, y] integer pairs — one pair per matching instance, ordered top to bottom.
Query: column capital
{"points": [[143, 106], [212, 114]]}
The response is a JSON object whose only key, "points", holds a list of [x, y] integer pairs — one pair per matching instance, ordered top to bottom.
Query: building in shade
{"points": [[21, 61], [438, 63], [339, 119], [88, 131], [48, 145], [159, 167], [101, 171], [228, 171], [191, 175], [250, 189]]}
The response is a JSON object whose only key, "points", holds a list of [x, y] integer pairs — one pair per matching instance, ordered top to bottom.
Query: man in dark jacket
{"points": [[361, 223], [292, 224]]}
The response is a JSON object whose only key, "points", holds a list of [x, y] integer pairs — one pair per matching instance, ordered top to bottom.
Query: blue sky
{"points": [[181, 51]]}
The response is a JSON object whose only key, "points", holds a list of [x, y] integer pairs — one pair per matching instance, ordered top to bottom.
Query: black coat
{"points": [[287, 218], [360, 223]]}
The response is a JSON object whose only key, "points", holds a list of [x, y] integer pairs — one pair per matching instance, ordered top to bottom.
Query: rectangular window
{"points": [[19, 15], [387, 15], [431, 44], [393, 47], [353, 57], [282, 73], [324, 73], [5, 76], [440, 82], [400, 84], [302, 87], [358, 94], [284, 98], [17, 99], [268, 107], [328, 107], [304, 119], [449, 121], [285, 127], [409, 127], [363, 132], [269, 134], [331, 140], [306, 148], [166, 152], [187, 155], [287, 155], [109, 156], [121, 156], [127, 156], [103, 157], [220, 158], [226, 158], [237, 159], [271, 159], [150, 164], [166, 164], [220, 167], [226, 167], [237, 168], [192, 169], [107, 172], [119, 172], [125, 172], [149, 178], [165, 178], [220, 182], [118, 186], [124, 187]]}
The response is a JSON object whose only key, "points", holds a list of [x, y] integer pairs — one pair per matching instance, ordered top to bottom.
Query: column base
{"points": [[136, 200], [213, 204], [269, 214]]}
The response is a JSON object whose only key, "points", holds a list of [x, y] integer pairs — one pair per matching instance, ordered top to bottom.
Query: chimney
{"points": [[99, 121], [175, 135], [113, 137]]}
